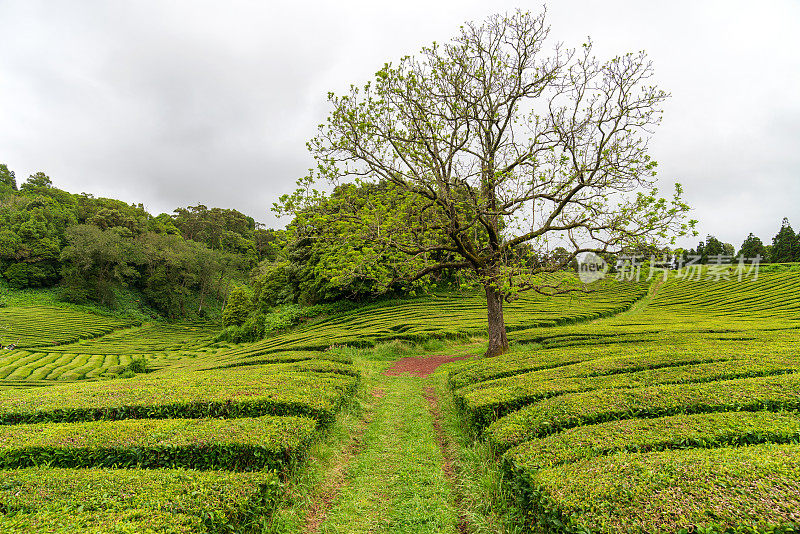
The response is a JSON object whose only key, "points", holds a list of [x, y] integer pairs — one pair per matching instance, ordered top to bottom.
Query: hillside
{"points": [[672, 403], [680, 413]]}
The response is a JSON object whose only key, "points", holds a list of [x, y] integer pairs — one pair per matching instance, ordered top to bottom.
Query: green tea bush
{"points": [[46, 326], [278, 389], [486, 401], [566, 411], [705, 430], [245, 444], [711, 491], [135, 501]]}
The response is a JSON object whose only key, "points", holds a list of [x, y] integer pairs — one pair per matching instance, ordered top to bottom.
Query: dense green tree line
{"points": [[93, 247], [785, 247]]}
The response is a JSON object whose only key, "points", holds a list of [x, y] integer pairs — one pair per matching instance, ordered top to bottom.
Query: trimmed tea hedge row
{"points": [[773, 295], [769, 304], [38, 326], [149, 339], [159, 344], [320, 357], [595, 360], [22, 365], [239, 392], [486, 401], [574, 409], [606, 409], [706, 430], [246, 444], [752, 489], [167, 501]]}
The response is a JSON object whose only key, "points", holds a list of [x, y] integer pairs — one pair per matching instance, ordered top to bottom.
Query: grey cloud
{"points": [[175, 103]]}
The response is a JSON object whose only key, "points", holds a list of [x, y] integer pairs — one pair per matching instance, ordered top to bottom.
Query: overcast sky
{"points": [[172, 103]]}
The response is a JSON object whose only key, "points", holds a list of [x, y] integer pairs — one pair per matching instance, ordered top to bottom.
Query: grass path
{"points": [[398, 460], [398, 482]]}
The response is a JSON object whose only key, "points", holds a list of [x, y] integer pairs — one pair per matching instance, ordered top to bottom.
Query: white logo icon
{"points": [[592, 268]]}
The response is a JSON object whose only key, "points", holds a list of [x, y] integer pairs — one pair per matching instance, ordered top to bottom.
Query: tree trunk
{"points": [[498, 341]]}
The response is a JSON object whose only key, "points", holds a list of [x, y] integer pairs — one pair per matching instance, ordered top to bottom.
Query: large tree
{"points": [[500, 147], [7, 177], [785, 244], [752, 247]]}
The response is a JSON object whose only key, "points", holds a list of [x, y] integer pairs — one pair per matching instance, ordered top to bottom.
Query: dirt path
{"points": [[420, 366]]}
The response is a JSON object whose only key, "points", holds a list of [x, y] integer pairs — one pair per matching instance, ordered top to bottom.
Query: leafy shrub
{"points": [[261, 325], [138, 365]]}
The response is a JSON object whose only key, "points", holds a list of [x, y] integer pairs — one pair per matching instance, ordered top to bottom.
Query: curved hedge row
{"points": [[446, 316], [39, 326], [603, 359], [236, 392], [487, 401], [570, 410], [705, 430], [246, 444], [711, 491], [135, 501]]}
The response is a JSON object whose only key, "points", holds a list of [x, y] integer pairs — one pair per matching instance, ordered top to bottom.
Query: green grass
{"points": [[380, 467], [397, 483], [486, 504]]}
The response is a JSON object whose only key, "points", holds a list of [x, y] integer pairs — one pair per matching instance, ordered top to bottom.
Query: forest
{"points": [[186, 264]]}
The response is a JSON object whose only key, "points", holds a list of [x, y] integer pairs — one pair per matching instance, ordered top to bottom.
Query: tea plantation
{"points": [[660, 407], [679, 415], [169, 448]]}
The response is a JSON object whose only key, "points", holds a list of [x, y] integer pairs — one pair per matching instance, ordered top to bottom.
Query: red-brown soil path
{"points": [[420, 365]]}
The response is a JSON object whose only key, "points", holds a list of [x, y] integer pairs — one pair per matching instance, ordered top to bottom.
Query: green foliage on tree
{"points": [[478, 147], [8, 179], [37, 182], [219, 229], [785, 244], [95, 247], [753, 247], [712, 250], [325, 259], [96, 262], [22, 275], [238, 307]]}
